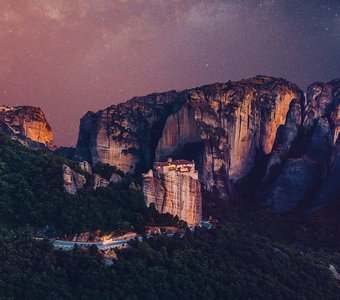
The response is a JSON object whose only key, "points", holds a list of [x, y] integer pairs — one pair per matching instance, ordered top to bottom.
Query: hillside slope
{"points": [[32, 193]]}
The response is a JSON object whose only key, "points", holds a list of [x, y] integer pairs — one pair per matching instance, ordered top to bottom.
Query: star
{"points": [[88, 52]]}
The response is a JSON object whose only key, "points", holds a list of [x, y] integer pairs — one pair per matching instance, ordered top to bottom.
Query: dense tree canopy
{"points": [[31, 189], [246, 255], [223, 263]]}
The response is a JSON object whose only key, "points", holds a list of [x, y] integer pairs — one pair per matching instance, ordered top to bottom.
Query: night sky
{"points": [[71, 56]]}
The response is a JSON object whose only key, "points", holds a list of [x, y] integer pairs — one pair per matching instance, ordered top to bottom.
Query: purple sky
{"points": [[71, 56]]}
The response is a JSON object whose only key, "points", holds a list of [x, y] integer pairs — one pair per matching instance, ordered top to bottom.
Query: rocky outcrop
{"points": [[28, 125], [223, 127], [261, 131], [125, 135], [286, 136], [85, 166], [310, 172], [115, 178], [73, 181], [99, 181], [102, 182], [330, 188], [153, 191], [176, 192], [334, 271]]}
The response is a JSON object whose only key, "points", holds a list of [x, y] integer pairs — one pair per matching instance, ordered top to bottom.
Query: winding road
{"points": [[112, 244], [100, 245]]}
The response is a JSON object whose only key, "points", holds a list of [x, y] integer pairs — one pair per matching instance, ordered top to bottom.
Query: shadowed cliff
{"points": [[259, 137]]}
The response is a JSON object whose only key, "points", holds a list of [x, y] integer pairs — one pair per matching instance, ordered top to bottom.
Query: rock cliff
{"points": [[26, 124], [223, 127], [261, 130], [306, 155], [73, 181], [99, 181], [177, 192]]}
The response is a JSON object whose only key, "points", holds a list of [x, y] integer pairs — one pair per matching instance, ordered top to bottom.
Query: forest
{"points": [[31, 188], [248, 254]]}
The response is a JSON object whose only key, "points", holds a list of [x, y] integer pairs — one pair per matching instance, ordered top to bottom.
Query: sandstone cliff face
{"points": [[26, 124], [223, 127], [229, 129], [125, 135], [310, 166], [73, 181], [176, 193]]}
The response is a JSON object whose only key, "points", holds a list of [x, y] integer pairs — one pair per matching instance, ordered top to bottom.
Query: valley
{"points": [[125, 206]]}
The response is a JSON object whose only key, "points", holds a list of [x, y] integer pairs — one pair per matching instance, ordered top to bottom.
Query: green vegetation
{"points": [[31, 189], [248, 255], [233, 261]]}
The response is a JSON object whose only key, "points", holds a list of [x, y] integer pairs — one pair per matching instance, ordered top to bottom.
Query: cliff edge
{"points": [[28, 125]]}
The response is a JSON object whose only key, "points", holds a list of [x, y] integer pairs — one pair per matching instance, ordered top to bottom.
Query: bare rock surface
{"points": [[28, 125], [223, 127], [232, 130], [311, 171], [116, 178], [73, 181], [99, 181], [175, 191]]}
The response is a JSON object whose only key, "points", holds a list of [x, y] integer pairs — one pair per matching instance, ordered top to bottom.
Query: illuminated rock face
{"points": [[26, 124], [223, 127], [261, 131], [286, 135], [176, 191]]}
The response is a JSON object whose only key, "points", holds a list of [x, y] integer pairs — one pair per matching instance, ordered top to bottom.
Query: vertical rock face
{"points": [[26, 124], [223, 127], [231, 130], [125, 135], [286, 136], [309, 158], [300, 176], [73, 181], [174, 188], [330, 188]]}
